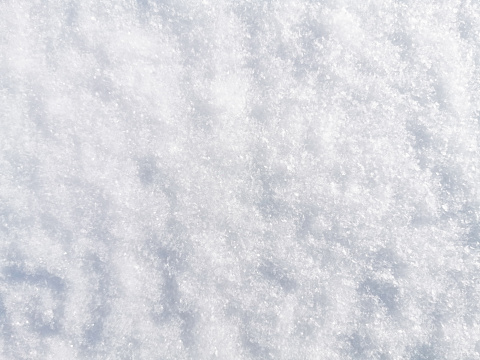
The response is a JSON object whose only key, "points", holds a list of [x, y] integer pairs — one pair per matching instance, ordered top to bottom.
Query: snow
{"points": [[239, 179]]}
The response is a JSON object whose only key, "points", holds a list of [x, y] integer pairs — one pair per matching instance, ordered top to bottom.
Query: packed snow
{"points": [[251, 179]]}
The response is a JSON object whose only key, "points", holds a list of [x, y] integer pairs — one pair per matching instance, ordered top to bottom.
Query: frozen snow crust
{"points": [[239, 179]]}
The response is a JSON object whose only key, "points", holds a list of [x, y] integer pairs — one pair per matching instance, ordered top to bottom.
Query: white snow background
{"points": [[239, 179]]}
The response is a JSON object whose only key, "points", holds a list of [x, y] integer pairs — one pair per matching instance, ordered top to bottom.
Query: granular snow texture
{"points": [[188, 179]]}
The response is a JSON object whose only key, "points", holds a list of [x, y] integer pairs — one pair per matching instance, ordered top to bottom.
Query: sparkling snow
{"points": [[259, 179]]}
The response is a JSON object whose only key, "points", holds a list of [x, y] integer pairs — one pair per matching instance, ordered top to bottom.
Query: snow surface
{"points": [[187, 179]]}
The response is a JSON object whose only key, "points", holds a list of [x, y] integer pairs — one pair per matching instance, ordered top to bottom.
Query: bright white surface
{"points": [[239, 180]]}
